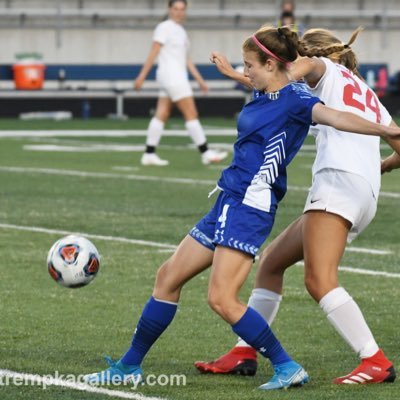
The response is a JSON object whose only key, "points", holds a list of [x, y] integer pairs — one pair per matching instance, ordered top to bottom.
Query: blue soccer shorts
{"points": [[230, 223]]}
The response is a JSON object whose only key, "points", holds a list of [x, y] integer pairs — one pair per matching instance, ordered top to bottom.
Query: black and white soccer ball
{"points": [[73, 261]]}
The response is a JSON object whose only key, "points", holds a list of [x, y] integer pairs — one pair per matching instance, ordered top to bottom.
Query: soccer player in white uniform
{"points": [[171, 45], [271, 130], [341, 203]]}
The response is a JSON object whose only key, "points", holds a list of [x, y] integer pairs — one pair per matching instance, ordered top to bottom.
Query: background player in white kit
{"points": [[171, 44], [341, 203]]}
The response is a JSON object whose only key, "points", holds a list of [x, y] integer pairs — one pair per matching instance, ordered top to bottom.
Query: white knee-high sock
{"points": [[154, 132], [196, 132], [266, 303], [346, 317]]}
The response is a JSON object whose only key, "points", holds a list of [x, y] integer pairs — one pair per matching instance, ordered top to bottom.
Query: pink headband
{"points": [[269, 52]]}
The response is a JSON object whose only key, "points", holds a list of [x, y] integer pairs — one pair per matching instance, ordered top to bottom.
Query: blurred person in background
{"points": [[288, 18], [171, 45]]}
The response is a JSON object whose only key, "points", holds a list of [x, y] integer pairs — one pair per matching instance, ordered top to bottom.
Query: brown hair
{"points": [[172, 2], [282, 42], [323, 43]]}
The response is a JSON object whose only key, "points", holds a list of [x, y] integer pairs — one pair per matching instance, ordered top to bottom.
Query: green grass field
{"points": [[46, 328]]}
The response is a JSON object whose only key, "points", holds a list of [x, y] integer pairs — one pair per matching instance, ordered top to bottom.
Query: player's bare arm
{"points": [[155, 49], [225, 67], [311, 69], [197, 76], [349, 122]]}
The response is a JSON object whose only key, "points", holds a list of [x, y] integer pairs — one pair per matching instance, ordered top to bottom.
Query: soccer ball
{"points": [[73, 261]]}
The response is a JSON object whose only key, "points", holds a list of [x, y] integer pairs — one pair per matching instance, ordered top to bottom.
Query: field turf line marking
{"points": [[113, 133], [87, 174], [105, 175], [89, 236], [166, 246], [172, 247], [368, 251], [363, 271], [369, 272], [49, 381]]}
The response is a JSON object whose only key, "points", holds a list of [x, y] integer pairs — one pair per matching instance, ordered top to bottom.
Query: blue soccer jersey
{"points": [[271, 130]]}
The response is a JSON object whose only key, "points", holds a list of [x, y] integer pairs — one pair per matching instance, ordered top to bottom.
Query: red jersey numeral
{"points": [[352, 89], [373, 105]]}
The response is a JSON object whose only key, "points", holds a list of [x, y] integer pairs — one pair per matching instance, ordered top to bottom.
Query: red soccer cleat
{"points": [[240, 360], [375, 369]]}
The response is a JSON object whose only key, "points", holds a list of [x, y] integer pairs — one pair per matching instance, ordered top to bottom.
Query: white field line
{"points": [[210, 131], [107, 133], [110, 147], [141, 147], [92, 148], [218, 167], [126, 169], [66, 172], [86, 174], [392, 195], [88, 235], [170, 247], [369, 251], [363, 271], [31, 379]]}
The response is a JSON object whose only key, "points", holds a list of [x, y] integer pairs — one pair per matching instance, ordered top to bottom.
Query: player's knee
{"points": [[162, 113], [190, 115], [162, 116], [271, 262], [267, 263], [267, 269], [165, 280], [311, 281], [318, 285], [310, 286], [216, 301], [222, 304]]}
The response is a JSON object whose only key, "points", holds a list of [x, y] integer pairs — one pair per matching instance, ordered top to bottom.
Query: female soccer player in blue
{"points": [[271, 130], [342, 201]]}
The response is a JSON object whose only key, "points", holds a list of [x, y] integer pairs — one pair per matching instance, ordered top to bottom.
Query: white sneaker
{"points": [[213, 156], [153, 159]]}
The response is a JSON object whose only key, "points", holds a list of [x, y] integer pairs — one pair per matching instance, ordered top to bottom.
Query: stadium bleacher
{"points": [[203, 13], [116, 34]]}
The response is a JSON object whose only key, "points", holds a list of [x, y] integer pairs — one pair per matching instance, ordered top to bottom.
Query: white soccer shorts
{"points": [[177, 91], [345, 194]]}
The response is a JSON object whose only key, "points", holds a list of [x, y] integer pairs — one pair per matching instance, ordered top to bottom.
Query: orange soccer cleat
{"points": [[239, 360]]}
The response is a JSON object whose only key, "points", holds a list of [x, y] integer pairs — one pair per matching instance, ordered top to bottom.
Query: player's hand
{"points": [[222, 63], [138, 84], [204, 87], [392, 133], [390, 163], [385, 166]]}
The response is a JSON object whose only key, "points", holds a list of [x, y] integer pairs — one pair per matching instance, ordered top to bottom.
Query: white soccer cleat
{"points": [[213, 156], [153, 159]]}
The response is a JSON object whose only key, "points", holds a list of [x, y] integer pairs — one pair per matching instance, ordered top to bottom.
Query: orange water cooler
{"points": [[28, 74]]}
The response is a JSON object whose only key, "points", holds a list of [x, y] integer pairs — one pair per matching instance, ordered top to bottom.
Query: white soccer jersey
{"points": [[172, 58], [339, 88]]}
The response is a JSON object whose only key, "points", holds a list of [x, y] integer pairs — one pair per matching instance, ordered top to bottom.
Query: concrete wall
{"points": [[132, 46]]}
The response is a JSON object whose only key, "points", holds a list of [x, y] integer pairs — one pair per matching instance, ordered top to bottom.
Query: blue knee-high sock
{"points": [[155, 318], [255, 331]]}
